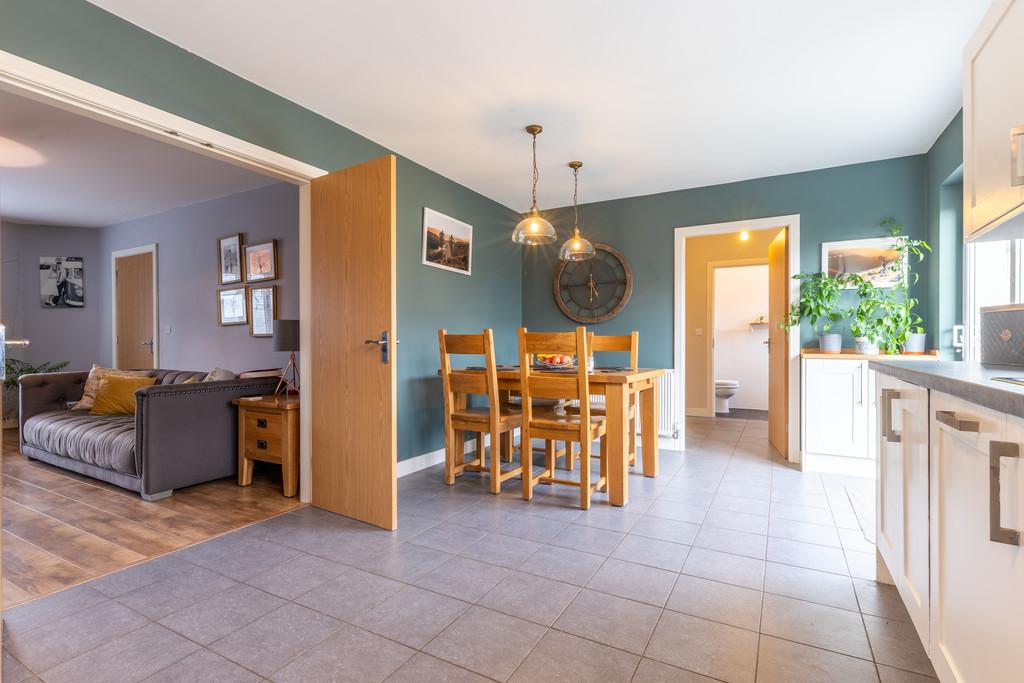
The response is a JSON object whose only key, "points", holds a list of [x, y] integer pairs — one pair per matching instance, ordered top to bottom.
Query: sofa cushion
{"points": [[96, 374], [116, 395], [106, 441]]}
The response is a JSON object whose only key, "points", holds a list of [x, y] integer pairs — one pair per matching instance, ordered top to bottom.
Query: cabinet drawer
{"points": [[264, 432]]}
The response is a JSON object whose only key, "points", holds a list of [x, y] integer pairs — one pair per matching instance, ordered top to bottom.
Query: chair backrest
{"points": [[619, 343], [483, 383], [536, 383]]}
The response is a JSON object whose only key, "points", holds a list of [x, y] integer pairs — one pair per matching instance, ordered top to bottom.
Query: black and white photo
{"points": [[229, 259], [62, 281], [231, 306], [262, 310]]}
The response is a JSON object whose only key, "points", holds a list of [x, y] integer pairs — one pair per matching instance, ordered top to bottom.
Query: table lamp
{"points": [[286, 338]]}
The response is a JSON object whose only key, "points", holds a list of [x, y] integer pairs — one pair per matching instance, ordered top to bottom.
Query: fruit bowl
{"points": [[554, 361]]}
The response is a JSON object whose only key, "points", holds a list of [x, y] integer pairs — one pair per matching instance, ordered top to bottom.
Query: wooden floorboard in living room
{"points": [[61, 528]]}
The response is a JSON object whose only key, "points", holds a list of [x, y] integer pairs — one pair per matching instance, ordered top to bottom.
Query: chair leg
{"points": [[632, 442], [506, 446], [480, 452], [570, 456], [449, 457], [549, 457], [526, 460], [495, 463], [604, 463], [585, 473]]}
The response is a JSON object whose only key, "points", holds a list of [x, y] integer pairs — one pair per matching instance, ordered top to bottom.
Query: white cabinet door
{"points": [[993, 108], [836, 407], [889, 483], [977, 584]]}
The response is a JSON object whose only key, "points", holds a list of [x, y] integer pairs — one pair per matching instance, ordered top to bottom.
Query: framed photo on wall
{"points": [[447, 243], [229, 259], [875, 259], [261, 261], [62, 281], [231, 306], [262, 310]]}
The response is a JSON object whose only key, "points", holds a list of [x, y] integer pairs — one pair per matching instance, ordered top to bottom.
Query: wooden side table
{"points": [[268, 431]]}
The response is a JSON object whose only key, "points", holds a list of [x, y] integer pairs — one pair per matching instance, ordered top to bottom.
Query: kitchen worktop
{"points": [[971, 382]]}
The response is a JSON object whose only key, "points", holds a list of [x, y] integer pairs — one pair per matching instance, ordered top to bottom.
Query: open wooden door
{"points": [[134, 313], [352, 341], [778, 345]]}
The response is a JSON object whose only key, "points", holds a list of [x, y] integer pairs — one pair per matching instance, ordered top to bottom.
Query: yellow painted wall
{"points": [[700, 251]]}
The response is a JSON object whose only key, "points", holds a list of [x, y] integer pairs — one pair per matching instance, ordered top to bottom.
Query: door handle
{"points": [[148, 343], [384, 343], [949, 418], [887, 431], [997, 450]]}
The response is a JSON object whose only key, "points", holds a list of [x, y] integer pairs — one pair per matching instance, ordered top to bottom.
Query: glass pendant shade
{"points": [[534, 230], [576, 248]]}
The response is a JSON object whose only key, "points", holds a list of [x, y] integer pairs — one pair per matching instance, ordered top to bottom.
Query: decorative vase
{"points": [[830, 343], [915, 344], [865, 346]]}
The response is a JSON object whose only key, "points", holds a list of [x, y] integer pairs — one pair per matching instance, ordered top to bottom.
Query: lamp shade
{"points": [[286, 335]]}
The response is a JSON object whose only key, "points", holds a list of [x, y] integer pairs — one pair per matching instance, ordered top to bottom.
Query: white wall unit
{"points": [[993, 110], [838, 416]]}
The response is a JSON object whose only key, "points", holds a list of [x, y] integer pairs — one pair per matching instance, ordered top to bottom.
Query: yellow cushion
{"points": [[191, 380], [92, 383], [116, 395]]}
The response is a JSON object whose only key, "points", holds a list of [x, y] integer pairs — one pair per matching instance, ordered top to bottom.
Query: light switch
{"points": [[167, 329]]}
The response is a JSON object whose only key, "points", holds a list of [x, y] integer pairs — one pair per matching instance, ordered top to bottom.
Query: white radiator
{"points": [[668, 423]]}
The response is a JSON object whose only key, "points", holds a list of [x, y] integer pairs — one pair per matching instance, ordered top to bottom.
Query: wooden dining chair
{"points": [[628, 343], [497, 419], [542, 423]]}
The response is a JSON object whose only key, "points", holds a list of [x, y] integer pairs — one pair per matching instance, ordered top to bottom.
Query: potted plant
{"points": [[819, 303], [867, 324], [904, 327], [14, 369]]}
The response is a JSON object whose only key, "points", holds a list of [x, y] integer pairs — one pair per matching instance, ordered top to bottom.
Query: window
{"points": [[995, 278]]}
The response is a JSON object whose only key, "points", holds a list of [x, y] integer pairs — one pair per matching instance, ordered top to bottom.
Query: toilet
{"points": [[724, 390]]}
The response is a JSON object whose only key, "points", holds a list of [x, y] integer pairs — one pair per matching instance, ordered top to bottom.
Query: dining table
{"points": [[616, 385]]}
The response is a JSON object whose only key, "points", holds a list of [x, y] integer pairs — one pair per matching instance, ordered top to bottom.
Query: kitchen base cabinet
{"points": [[838, 416], [977, 583]]}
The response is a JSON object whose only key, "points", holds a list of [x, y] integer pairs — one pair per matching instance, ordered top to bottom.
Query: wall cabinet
{"points": [[994, 119], [838, 416]]}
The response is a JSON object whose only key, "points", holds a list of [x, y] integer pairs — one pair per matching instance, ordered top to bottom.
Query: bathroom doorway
{"points": [[738, 333]]}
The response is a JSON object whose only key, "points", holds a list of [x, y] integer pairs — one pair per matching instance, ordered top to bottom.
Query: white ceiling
{"points": [[652, 96], [60, 168]]}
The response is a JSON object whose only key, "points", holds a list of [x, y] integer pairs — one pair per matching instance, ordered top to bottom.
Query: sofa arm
{"points": [[43, 392], [186, 434]]}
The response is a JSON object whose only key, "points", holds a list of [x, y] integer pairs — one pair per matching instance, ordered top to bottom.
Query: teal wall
{"points": [[84, 41], [944, 193], [840, 203]]}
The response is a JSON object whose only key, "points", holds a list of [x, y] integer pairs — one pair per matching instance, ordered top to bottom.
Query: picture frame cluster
{"points": [[247, 266]]}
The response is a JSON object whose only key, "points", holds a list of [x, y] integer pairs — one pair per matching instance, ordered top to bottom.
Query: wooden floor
{"points": [[62, 528]]}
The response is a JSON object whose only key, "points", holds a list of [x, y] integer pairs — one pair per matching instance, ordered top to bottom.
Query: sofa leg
{"points": [[159, 495]]}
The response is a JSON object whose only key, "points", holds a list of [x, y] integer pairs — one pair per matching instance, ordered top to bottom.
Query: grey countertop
{"points": [[971, 382]]}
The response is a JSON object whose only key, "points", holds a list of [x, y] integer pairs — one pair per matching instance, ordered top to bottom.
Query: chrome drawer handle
{"points": [[949, 418], [261, 423], [891, 435], [261, 444], [997, 450]]}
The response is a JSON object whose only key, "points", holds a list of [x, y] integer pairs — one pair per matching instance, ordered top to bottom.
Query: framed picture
{"points": [[447, 242], [229, 259], [875, 259], [261, 261], [61, 281], [231, 307], [262, 310]]}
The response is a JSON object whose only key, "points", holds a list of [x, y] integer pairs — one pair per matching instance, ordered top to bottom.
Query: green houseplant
{"points": [[819, 303], [867, 322], [903, 330], [13, 370]]}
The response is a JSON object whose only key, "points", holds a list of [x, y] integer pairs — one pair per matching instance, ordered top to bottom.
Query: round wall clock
{"points": [[594, 290]]}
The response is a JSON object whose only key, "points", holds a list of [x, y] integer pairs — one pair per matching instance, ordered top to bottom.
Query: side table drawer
{"points": [[264, 432]]}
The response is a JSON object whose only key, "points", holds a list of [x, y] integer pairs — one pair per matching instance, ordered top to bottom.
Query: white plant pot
{"points": [[830, 343], [915, 343], [865, 346]]}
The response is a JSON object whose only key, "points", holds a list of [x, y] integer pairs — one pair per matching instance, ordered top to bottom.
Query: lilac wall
{"points": [[187, 248]]}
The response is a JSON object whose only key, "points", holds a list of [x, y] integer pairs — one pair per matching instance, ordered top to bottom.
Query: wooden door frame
{"points": [[43, 84], [791, 224], [135, 251], [709, 339]]}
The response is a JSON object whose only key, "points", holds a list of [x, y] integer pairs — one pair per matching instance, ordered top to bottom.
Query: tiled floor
{"points": [[729, 566]]}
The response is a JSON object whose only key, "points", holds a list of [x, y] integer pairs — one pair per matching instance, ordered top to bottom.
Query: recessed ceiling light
{"points": [[744, 236]]}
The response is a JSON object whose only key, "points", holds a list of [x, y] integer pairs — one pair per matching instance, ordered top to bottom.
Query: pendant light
{"points": [[534, 229], [576, 248]]}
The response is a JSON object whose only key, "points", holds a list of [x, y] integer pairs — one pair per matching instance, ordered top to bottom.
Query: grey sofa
{"points": [[181, 434]]}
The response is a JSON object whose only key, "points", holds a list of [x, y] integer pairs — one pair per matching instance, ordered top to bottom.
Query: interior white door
{"points": [[836, 408]]}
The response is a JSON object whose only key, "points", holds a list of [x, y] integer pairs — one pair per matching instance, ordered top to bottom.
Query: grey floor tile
{"points": [[748, 506], [681, 512], [802, 513], [613, 518], [738, 521], [531, 528], [665, 529], [804, 532], [448, 537], [588, 539], [853, 539], [731, 541], [505, 551], [652, 552], [807, 555], [247, 559], [405, 561], [563, 564], [861, 565], [726, 567], [144, 574], [298, 575], [463, 578], [633, 582], [811, 585], [351, 594], [530, 597], [159, 599], [880, 600], [716, 601], [50, 609], [218, 615], [412, 616], [611, 620], [817, 625], [58, 641], [270, 642], [487, 642], [896, 644], [705, 647], [350, 655], [132, 657], [566, 658], [782, 661], [205, 666], [423, 667], [13, 670], [650, 671], [890, 675]]}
